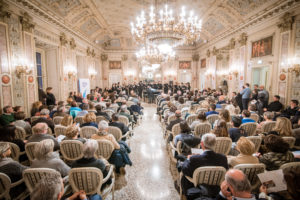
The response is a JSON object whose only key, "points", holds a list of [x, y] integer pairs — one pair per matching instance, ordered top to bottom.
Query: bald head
{"points": [[178, 113], [238, 181]]}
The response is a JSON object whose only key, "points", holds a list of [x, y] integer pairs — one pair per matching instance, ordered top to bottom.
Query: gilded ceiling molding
{"points": [[4, 10], [26, 22], [286, 22], [63, 39], [243, 39], [72, 43], [232, 43], [215, 51], [207, 53], [104, 57], [124, 57], [196, 57]]}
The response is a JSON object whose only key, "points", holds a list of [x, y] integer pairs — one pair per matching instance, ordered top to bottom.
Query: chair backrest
{"points": [[129, 103], [224, 106], [201, 110], [219, 110], [184, 111], [109, 112], [127, 112], [254, 116], [100, 118], [171, 118], [212, 118], [32, 119], [190, 119], [57, 120], [79, 120], [124, 120], [229, 125], [268, 126], [202, 128], [249, 128], [176, 129], [60, 130], [50, 131], [88, 131], [115, 131], [20, 133], [290, 140], [256, 141], [223, 145], [29, 149], [71, 149], [105, 149], [15, 150], [294, 166], [251, 171], [208, 175], [32, 176], [88, 179], [4, 186]]}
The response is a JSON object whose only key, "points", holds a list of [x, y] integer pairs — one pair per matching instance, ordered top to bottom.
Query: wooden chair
{"points": [[201, 110], [219, 110], [255, 117], [100, 118], [191, 118], [212, 118], [57, 120], [79, 120], [124, 120], [229, 125], [268, 126], [202, 128], [250, 128], [176, 129], [60, 130], [88, 131], [116, 132], [20, 133], [290, 140], [256, 141], [223, 145], [29, 149], [105, 149], [71, 150], [15, 151], [292, 166], [251, 171], [90, 180], [6, 185]]}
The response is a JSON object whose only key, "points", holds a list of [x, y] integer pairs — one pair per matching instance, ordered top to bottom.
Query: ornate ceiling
{"points": [[107, 22]]}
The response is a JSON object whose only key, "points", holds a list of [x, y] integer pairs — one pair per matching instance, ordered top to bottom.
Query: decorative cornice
{"points": [[4, 10], [26, 22], [286, 22], [63, 39], [243, 39], [72, 43], [104, 57], [124, 57], [196, 57]]}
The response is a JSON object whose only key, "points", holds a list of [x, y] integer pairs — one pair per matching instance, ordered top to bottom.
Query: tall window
{"points": [[39, 69]]}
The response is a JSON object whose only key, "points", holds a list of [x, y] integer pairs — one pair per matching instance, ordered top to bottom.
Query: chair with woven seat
{"points": [[201, 110], [219, 110], [109, 112], [254, 116], [100, 118], [191, 118], [212, 118], [57, 120], [79, 120], [124, 120], [229, 125], [267, 126], [202, 128], [249, 128], [176, 129], [60, 130], [50, 131], [88, 131], [115, 131], [20, 133], [290, 140], [256, 141], [223, 145], [29, 149], [105, 149], [71, 150], [15, 151], [292, 166], [251, 171], [206, 175], [90, 180], [6, 185]]}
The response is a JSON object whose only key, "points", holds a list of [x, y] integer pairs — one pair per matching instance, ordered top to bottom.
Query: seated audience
{"points": [[274, 106], [252, 108], [74, 109], [292, 109], [35, 110], [212, 110], [61, 111], [84, 111], [123, 112], [101, 113], [224, 115], [7, 117], [19, 117], [246, 117], [44, 118], [201, 118], [67, 120], [89, 120], [176, 121], [116, 123], [283, 127], [220, 130], [40, 131], [185, 131], [236, 132], [72, 133], [8, 135], [246, 149], [278, 154], [44, 157], [207, 158]]}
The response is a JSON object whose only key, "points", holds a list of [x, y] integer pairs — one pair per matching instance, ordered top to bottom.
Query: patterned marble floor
{"points": [[149, 178]]}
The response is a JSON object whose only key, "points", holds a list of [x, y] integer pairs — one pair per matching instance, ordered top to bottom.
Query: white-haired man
{"points": [[44, 118]]}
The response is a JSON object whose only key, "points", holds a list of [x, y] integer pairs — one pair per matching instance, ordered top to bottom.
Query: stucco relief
{"points": [[63, 7], [244, 7], [79, 17], [90, 26], [213, 26], [46, 36], [3, 50], [6, 92]]}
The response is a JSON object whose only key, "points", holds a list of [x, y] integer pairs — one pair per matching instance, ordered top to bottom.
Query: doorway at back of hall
{"points": [[260, 76]]}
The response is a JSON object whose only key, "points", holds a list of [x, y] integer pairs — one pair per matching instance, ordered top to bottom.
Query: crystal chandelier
{"points": [[161, 27], [156, 54]]}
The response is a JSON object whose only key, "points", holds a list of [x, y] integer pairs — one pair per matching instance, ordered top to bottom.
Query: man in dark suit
{"points": [[50, 97], [274, 106], [176, 121], [115, 122], [207, 158]]}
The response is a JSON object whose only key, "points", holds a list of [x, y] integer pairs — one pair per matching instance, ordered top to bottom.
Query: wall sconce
{"points": [[23, 67], [71, 71], [92, 73]]}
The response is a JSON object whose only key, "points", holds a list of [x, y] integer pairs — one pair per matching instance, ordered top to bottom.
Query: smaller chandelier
{"points": [[163, 28], [156, 55]]}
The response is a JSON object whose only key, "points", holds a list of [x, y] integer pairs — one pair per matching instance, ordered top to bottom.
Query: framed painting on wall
{"points": [[262, 47], [203, 63], [114, 64], [185, 64]]}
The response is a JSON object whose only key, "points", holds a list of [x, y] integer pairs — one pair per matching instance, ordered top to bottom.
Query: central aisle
{"points": [[149, 177]]}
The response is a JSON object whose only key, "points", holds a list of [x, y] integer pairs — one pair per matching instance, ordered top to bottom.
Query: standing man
{"points": [[246, 94], [265, 94], [50, 97]]}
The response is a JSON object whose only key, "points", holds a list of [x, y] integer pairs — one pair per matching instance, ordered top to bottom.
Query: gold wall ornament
{"points": [[4, 10], [26, 22], [286, 22], [63, 39], [243, 39], [72, 43], [232, 43], [88, 51], [215, 51], [93, 53], [207, 53], [219, 56], [104, 57], [124, 57], [196, 57], [295, 69], [23, 70]]}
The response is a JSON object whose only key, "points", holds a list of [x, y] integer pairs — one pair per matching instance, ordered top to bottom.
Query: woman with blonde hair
{"points": [[35, 109], [67, 120], [90, 120], [283, 127], [220, 130], [72, 133], [246, 149], [46, 158]]}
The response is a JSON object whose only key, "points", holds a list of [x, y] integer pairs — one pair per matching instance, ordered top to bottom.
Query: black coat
{"points": [[50, 99], [275, 106], [121, 126]]}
